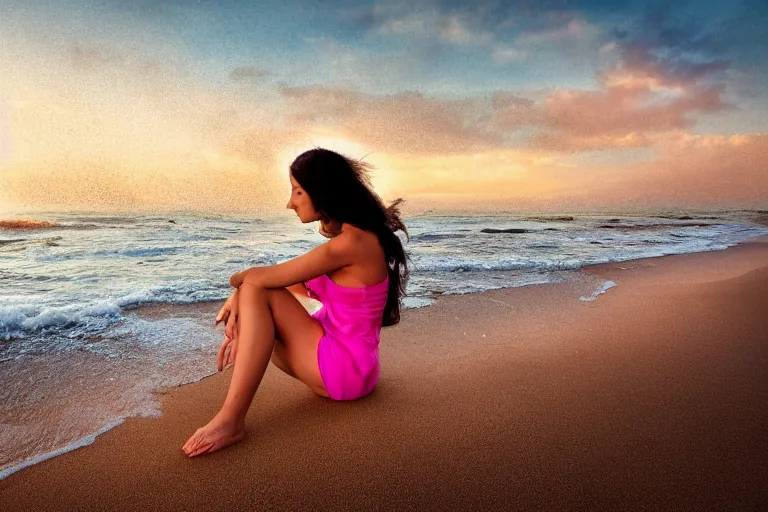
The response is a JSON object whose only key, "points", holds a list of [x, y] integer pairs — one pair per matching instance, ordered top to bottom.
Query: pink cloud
{"points": [[627, 111], [406, 122], [562, 142], [691, 170]]}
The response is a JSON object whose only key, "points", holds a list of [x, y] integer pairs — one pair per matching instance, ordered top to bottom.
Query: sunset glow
{"points": [[146, 107]]}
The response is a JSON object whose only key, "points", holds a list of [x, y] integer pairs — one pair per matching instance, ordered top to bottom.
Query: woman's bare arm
{"points": [[341, 251], [237, 279]]}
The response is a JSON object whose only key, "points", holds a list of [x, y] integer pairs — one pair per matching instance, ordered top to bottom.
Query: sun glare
{"points": [[341, 145]]}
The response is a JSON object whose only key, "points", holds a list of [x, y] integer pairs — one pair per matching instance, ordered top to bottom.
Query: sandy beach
{"points": [[652, 396]]}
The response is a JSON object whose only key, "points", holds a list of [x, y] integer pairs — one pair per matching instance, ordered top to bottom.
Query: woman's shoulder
{"points": [[358, 231], [366, 240], [369, 254]]}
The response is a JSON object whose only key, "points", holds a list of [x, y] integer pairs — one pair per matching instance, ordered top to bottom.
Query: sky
{"points": [[521, 105]]}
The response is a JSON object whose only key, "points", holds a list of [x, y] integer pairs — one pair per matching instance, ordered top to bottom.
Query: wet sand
{"points": [[652, 396]]}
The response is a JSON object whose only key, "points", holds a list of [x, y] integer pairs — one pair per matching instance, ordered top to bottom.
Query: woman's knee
{"points": [[250, 291]]}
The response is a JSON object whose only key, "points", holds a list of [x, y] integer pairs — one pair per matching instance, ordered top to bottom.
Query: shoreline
{"points": [[157, 311], [535, 313]]}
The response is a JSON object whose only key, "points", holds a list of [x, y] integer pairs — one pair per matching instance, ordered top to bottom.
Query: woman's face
{"points": [[301, 203]]}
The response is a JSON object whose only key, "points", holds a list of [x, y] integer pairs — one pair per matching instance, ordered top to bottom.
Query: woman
{"points": [[359, 275]]}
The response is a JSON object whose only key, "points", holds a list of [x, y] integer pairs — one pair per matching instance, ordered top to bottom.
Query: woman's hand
{"points": [[249, 274], [226, 309], [229, 315], [227, 353]]}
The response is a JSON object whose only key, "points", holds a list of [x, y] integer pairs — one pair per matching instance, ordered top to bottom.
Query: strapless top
{"points": [[349, 313]]}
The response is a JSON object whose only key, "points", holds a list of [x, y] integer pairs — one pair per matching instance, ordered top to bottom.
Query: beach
{"points": [[652, 396]]}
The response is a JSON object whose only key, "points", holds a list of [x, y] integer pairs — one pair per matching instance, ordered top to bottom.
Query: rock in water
{"points": [[510, 230]]}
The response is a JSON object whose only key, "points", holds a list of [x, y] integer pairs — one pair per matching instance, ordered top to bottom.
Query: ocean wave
{"points": [[684, 217], [565, 218], [106, 219], [79, 226], [658, 226], [436, 236], [202, 238], [12, 241], [20, 244], [145, 252], [450, 264], [43, 278], [189, 294], [65, 297], [25, 320], [22, 321]]}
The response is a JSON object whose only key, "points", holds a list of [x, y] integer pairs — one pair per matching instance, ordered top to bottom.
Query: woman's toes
{"points": [[212, 438], [193, 442], [201, 450]]}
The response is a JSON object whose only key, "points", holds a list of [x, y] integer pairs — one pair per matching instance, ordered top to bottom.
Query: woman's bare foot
{"points": [[217, 434]]}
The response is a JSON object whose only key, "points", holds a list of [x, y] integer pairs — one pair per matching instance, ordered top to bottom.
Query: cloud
{"points": [[432, 22], [491, 26], [574, 28], [455, 29], [681, 51], [505, 54], [340, 65], [664, 75], [640, 96], [501, 100], [622, 114], [406, 122], [556, 141], [694, 170], [690, 171]]}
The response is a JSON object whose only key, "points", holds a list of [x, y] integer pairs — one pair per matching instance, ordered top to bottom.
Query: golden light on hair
{"points": [[328, 140]]}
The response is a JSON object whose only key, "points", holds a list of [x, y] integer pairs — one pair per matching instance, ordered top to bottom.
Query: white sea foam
{"points": [[87, 281], [601, 289], [85, 441]]}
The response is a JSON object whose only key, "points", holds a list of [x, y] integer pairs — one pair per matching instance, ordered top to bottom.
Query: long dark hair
{"points": [[341, 190]]}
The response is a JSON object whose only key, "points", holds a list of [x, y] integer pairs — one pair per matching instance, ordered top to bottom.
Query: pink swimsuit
{"points": [[348, 352]]}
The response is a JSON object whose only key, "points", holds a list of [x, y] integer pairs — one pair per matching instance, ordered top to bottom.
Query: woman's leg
{"points": [[256, 338]]}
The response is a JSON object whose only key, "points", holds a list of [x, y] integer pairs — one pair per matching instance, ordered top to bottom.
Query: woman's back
{"points": [[370, 266]]}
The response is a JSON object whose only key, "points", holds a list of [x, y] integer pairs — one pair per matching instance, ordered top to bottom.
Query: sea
{"points": [[99, 312]]}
